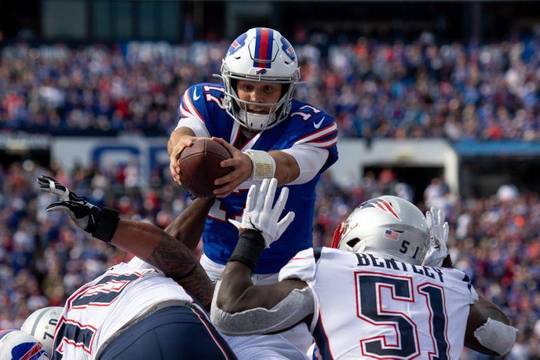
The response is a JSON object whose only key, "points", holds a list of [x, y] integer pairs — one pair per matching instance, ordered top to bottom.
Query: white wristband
{"points": [[264, 165]]}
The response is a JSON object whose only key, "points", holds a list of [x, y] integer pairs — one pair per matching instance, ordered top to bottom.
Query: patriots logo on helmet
{"points": [[237, 44], [288, 49], [381, 204]]}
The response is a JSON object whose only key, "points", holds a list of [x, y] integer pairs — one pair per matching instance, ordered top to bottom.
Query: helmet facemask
{"points": [[237, 108]]}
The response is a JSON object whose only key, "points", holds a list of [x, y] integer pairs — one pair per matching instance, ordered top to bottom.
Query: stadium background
{"points": [[436, 102]]}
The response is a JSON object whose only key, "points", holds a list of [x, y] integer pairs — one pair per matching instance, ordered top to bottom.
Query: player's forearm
{"points": [[287, 168], [188, 226], [155, 246], [235, 281], [237, 292], [241, 308], [490, 310], [488, 329]]}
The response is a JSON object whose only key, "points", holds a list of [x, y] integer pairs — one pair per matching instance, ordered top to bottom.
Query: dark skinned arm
{"points": [[187, 227], [146, 241], [171, 255], [237, 292], [479, 313]]}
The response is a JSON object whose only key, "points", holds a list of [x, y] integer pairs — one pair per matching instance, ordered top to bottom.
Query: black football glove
{"points": [[98, 222]]}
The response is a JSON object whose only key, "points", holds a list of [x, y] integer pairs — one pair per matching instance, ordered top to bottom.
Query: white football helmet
{"points": [[259, 54], [387, 226], [41, 324], [16, 344]]}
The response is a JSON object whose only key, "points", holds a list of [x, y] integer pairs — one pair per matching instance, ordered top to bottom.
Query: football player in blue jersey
{"points": [[268, 133]]}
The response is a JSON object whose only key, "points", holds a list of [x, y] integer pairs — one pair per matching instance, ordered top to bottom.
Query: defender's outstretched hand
{"points": [[260, 215], [100, 223], [438, 234]]}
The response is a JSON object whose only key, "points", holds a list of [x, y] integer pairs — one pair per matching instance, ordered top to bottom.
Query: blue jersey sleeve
{"points": [[205, 102], [193, 104], [315, 128]]}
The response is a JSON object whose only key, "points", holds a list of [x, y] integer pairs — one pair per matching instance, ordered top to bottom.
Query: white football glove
{"points": [[261, 216], [438, 234]]}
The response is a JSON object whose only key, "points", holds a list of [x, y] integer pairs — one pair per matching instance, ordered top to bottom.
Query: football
{"points": [[200, 166]]}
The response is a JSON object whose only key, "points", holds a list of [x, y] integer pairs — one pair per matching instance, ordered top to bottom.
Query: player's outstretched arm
{"points": [[255, 165], [187, 227], [146, 241], [174, 258], [241, 308], [488, 329]]}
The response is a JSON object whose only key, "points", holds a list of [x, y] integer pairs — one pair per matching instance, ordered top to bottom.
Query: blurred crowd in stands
{"points": [[376, 90], [396, 90], [43, 258]]}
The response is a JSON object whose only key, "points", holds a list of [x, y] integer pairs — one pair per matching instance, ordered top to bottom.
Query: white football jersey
{"points": [[369, 307], [98, 309], [286, 345]]}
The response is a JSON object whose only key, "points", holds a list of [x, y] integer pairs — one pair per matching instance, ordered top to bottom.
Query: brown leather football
{"points": [[200, 166]]}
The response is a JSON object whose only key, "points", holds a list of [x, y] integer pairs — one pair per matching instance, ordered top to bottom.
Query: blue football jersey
{"points": [[305, 125]]}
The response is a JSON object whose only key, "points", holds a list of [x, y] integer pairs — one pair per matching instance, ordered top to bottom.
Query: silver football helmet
{"points": [[387, 226]]}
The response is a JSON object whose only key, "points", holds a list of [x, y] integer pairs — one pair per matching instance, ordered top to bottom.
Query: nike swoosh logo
{"points": [[195, 95], [317, 125]]}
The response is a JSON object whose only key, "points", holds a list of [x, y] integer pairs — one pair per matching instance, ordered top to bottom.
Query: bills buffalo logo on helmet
{"points": [[237, 44], [288, 49]]}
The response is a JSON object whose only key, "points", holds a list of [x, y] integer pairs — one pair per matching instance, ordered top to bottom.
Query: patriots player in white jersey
{"points": [[268, 133], [171, 258], [381, 294], [147, 308]]}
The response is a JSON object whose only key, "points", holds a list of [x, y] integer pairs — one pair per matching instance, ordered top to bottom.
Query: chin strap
{"points": [[255, 122]]}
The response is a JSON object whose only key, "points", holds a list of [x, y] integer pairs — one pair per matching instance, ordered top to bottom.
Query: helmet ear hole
{"points": [[353, 242]]}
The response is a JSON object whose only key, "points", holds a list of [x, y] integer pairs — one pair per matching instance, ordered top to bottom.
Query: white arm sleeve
{"points": [[194, 124], [310, 160], [294, 308], [496, 336]]}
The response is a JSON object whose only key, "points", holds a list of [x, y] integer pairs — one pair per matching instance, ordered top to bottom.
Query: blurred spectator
{"points": [[374, 89], [436, 194], [42, 258]]}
